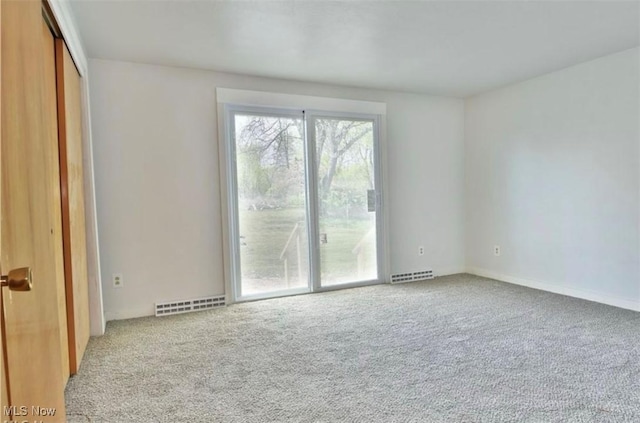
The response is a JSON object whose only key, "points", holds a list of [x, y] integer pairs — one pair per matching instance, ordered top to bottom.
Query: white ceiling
{"points": [[453, 48]]}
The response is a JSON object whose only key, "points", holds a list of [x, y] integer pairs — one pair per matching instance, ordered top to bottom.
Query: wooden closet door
{"points": [[73, 210], [31, 229], [4, 389]]}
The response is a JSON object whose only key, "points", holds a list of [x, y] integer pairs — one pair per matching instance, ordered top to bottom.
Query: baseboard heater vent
{"points": [[410, 277], [186, 306]]}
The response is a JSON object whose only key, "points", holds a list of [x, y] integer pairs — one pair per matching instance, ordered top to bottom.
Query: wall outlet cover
{"points": [[118, 282]]}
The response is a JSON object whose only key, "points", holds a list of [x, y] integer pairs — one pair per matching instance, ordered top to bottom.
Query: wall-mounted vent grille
{"points": [[410, 277], [186, 306]]}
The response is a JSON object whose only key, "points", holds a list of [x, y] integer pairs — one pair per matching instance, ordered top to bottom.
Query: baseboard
{"points": [[449, 271], [530, 283], [557, 289], [129, 314]]}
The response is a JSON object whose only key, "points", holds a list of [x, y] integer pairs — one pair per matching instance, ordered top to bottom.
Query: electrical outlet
{"points": [[421, 250], [496, 250], [118, 282]]}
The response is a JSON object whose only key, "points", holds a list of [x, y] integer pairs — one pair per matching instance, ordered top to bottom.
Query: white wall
{"points": [[552, 176], [157, 181]]}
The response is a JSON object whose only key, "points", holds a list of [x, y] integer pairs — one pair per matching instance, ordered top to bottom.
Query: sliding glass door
{"points": [[346, 199], [304, 200], [271, 206]]}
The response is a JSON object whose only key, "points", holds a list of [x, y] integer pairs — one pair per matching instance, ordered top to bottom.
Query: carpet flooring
{"points": [[455, 349]]}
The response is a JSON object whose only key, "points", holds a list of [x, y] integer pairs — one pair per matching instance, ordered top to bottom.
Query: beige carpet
{"points": [[455, 349]]}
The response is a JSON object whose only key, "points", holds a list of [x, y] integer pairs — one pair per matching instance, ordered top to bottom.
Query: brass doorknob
{"points": [[18, 279]]}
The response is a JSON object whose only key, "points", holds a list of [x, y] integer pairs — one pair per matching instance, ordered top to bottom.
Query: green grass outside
{"points": [[264, 234]]}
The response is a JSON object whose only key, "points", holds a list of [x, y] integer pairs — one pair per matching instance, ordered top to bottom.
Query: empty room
{"points": [[320, 211]]}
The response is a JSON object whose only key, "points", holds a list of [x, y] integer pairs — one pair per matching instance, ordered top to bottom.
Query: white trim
{"points": [[64, 18], [298, 102], [311, 195], [384, 226], [446, 271], [229, 289], [557, 289], [96, 306], [130, 313]]}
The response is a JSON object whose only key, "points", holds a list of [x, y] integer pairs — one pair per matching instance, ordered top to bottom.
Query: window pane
{"points": [[271, 203]]}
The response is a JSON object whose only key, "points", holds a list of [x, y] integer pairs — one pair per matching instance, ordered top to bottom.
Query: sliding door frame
{"points": [[229, 184], [314, 218], [235, 271]]}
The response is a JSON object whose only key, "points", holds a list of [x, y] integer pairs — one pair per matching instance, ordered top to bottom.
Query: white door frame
{"points": [[310, 117], [228, 176]]}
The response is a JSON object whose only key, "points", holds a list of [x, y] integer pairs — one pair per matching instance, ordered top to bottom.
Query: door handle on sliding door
{"points": [[371, 200]]}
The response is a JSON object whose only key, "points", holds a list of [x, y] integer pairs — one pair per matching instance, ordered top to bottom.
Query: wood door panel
{"points": [[51, 119], [73, 210], [31, 229], [4, 388]]}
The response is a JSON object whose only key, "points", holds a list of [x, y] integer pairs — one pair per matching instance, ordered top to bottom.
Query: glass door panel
{"points": [[270, 193], [347, 200]]}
